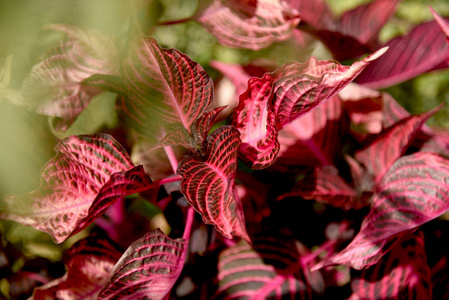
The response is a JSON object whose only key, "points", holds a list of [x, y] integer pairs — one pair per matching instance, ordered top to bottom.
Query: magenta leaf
{"points": [[315, 13], [365, 21], [443, 23], [249, 24], [423, 49], [54, 86], [165, 88], [280, 97], [397, 139], [312, 140], [88, 174], [208, 183], [326, 186], [414, 191], [89, 264], [271, 269], [147, 270], [400, 274]]}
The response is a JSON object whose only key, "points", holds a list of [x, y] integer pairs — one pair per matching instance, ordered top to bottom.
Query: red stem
{"points": [[174, 22]]}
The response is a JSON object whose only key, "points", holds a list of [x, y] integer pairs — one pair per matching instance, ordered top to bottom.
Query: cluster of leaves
{"points": [[303, 145]]}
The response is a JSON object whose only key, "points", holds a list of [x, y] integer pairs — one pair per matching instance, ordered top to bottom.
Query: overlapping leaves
{"points": [[54, 86], [168, 93], [278, 98], [87, 175], [208, 183], [413, 192], [89, 264], [269, 269], [147, 270]]}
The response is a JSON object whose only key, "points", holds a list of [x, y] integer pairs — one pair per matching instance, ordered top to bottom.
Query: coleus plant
{"points": [[228, 180]]}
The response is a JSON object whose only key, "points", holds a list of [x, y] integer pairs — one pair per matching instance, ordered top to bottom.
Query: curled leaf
{"points": [[249, 24], [278, 98], [88, 174], [208, 183], [147, 270]]}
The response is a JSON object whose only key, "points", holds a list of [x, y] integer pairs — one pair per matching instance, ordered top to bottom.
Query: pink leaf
{"points": [[316, 13], [365, 21], [443, 23], [249, 24], [423, 49], [54, 86], [165, 88], [280, 97], [397, 138], [312, 140], [88, 174], [208, 183], [326, 186], [414, 191], [89, 263], [271, 269], [147, 270], [400, 274]]}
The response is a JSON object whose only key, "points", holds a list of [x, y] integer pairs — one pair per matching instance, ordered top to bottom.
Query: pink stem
{"points": [[167, 180], [190, 212], [311, 256]]}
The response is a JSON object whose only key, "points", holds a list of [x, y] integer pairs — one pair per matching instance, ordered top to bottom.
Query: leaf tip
{"points": [[377, 54]]}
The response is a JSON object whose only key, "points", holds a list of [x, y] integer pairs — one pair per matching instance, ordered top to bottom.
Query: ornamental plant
{"points": [[301, 180]]}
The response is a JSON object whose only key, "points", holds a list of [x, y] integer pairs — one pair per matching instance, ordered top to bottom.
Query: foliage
{"points": [[256, 159]]}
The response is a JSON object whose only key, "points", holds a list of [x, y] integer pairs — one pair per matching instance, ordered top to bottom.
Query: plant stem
{"points": [[174, 22], [167, 180], [190, 212]]}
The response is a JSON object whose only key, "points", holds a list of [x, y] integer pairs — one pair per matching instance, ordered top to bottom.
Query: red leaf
{"points": [[249, 24], [423, 49], [54, 86], [165, 88], [280, 97], [396, 139], [312, 140], [88, 174], [208, 183], [326, 186], [414, 191], [89, 264], [270, 269], [147, 270], [402, 273]]}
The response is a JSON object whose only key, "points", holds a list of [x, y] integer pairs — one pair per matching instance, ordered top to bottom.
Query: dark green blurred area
{"points": [[27, 140]]}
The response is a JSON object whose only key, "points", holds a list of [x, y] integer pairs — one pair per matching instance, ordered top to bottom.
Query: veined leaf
{"points": [[315, 13], [249, 24], [423, 49], [54, 86], [165, 88], [280, 97], [397, 138], [312, 139], [88, 174], [208, 183], [326, 186], [414, 191], [89, 264], [270, 269], [147, 270], [400, 274]]}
